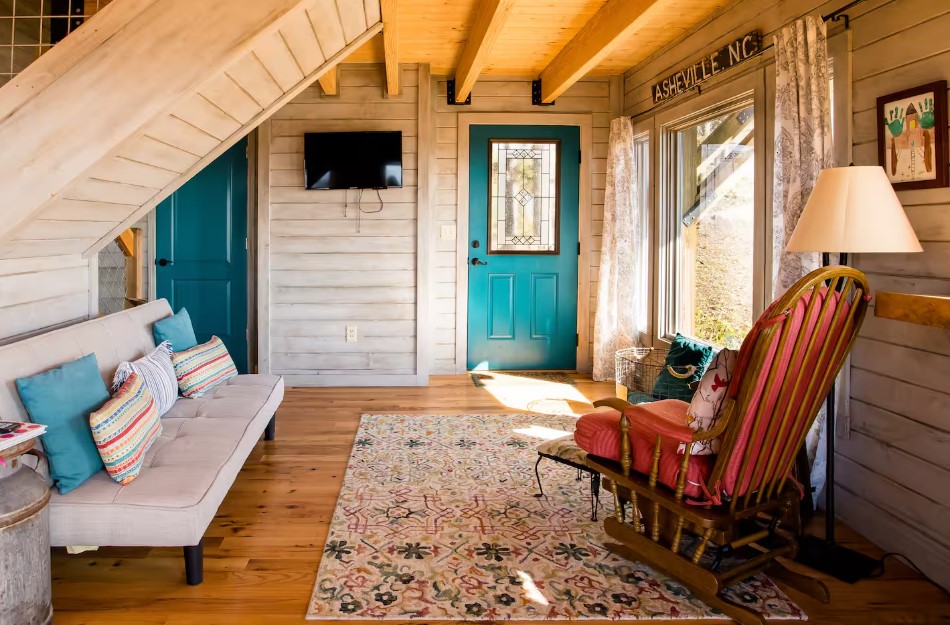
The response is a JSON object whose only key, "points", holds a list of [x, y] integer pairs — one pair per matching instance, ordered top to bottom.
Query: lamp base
{"points": [[831, 558]]}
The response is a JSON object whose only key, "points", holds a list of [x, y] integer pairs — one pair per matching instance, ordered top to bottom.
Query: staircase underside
{"points": [[121, 113]]}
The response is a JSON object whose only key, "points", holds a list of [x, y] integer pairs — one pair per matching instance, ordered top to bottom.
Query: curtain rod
{"points": [[834, 16]]}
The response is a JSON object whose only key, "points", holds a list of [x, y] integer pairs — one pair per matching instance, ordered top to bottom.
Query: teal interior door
{"points": [[523, 247], [201, 253]]}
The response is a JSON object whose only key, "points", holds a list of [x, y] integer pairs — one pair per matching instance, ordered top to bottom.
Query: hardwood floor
{"points": [[263, 548]]}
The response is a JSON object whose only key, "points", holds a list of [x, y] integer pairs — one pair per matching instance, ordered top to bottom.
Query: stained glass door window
{"points": [[523, 196]]}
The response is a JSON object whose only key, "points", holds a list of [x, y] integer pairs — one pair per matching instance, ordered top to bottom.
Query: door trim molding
{"points": [[586, 124], [262, 243]]}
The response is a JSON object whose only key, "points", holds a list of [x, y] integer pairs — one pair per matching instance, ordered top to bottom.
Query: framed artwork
{"points": [[912, 136]]}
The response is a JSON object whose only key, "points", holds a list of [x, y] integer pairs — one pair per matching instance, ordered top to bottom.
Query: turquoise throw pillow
{"points": [[177, 329], [683, 353], [62, 400]]}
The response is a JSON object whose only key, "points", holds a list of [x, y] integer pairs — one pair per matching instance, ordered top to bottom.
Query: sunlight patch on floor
{"points": [[541, 396], [531, 591]]}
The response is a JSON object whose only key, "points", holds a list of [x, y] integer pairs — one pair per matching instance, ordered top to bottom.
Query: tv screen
{"points": [[353, 160]]}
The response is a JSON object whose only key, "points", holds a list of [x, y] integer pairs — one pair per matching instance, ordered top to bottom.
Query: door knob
{"points": [[161, 262], [476, 262]]}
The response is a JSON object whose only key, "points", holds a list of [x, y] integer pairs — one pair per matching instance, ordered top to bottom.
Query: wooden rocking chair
{"points": [[785, 369]]}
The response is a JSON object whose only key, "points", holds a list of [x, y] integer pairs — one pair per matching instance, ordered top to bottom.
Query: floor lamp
{"points": [[851, 210]]}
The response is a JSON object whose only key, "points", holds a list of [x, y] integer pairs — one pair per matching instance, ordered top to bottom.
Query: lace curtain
{"points": [[803, 147], [619, 293]]}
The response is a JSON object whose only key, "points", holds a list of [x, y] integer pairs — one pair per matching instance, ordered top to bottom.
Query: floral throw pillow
{"points": [[706, 405]]}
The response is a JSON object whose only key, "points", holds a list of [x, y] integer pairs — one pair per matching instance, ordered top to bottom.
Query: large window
{"points": [[642, 146], [711, 215]]}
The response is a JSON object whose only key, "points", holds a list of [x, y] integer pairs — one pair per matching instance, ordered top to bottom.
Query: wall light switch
{"points": [[447, 232], [350, 334]]}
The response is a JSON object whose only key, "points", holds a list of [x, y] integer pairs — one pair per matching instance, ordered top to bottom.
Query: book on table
{"points": [[23, 432]]}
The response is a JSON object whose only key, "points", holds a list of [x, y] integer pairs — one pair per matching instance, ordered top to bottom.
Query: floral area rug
{"points": [[439, 518]]}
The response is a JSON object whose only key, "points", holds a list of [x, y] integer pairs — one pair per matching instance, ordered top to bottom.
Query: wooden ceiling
{"points": [[535, 31]]}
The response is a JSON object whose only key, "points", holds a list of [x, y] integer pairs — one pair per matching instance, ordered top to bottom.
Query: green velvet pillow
{"points": [[177, 329], [683, 353], [638, 397], [62, 400]]}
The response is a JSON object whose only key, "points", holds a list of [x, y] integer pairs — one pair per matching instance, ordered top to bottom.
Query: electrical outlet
{"points": [[447, 232], [351, 334]]}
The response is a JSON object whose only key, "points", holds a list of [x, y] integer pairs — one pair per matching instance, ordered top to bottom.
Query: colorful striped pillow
{"points": [[202, 367], [124, 428]]}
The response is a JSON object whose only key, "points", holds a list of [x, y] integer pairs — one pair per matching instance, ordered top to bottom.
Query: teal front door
{"points": [[522, 247], [201, 253]]}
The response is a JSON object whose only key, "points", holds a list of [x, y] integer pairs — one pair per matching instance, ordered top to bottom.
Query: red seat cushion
{"points": [[598, 433]]}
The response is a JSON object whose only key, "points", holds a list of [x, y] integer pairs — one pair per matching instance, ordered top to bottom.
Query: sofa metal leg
{"points": [[270, 432], [194, 563]]}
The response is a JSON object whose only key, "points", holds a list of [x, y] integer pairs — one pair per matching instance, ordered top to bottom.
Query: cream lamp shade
{"points": [[853, 210]]}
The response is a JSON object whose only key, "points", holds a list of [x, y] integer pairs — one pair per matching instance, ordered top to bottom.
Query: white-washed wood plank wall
{"points": [[499, 95], [324, 275], [37, 293], [892, 466]]}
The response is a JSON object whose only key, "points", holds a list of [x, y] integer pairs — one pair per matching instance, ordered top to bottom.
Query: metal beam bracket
{"points": [[450, 94], [536, 94]]}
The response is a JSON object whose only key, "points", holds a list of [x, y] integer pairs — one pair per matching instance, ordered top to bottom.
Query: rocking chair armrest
{"points": [[616, 403]]}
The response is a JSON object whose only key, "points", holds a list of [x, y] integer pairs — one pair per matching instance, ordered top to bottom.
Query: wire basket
{"points": [[637, 369]]}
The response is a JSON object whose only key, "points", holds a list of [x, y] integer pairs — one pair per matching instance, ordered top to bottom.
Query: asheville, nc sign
{"points": [[727, 57]]}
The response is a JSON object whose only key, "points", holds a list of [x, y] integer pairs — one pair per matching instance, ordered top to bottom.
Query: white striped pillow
{"points": [[158, 374]]}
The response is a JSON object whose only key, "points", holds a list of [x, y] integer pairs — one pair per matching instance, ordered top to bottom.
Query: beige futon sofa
{"points": [[187, 471]]}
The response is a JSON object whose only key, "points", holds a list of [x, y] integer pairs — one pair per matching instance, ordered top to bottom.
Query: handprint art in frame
{"points": [[912, 136]]}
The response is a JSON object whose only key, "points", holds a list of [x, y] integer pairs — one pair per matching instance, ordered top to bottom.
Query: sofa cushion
{"points": [[177, 330], [203, 367], [158, 374], [62, 399], [125, 427], [598, 433], [185, 474]]}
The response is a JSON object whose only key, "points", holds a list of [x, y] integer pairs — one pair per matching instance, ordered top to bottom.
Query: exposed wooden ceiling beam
{"points": [[490, 18], [391, 44], [589, 46], [329, 83]]}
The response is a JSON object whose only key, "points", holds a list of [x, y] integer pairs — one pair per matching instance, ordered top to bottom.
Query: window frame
{"points": [[644, 131], [666, 259]]}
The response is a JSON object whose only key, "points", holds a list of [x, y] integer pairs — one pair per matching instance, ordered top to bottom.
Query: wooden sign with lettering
{"points": [[727, 57]]}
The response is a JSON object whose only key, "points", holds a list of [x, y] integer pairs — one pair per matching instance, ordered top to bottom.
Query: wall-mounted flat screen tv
{"points": [[353, 160]]}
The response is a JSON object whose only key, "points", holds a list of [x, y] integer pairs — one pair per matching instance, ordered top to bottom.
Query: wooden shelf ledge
{"points": [[928, 310]]}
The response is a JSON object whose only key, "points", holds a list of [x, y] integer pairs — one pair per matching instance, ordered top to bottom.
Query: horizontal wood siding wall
{"points": [[495, 95], [324, 275], [41, 293], [893, 467]]}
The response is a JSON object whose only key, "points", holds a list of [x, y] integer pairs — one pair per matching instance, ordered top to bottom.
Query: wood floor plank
{"points": [[263, 548]]}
